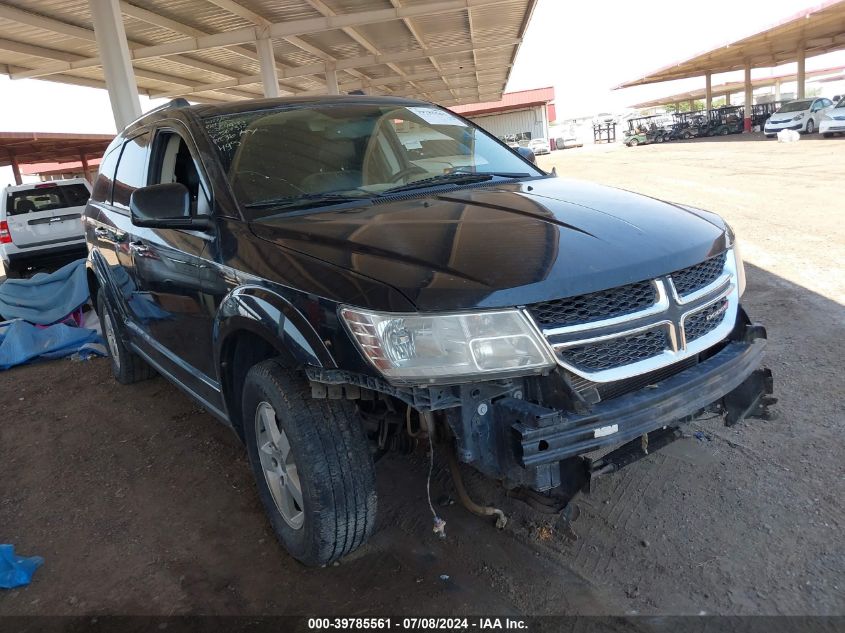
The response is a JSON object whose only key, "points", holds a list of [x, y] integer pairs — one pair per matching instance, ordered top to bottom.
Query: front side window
{"points": [[352, 151], [173, 162], [131, 171]]}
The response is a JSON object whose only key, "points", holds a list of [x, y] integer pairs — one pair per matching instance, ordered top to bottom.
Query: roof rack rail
{"points": [[178, 102]]}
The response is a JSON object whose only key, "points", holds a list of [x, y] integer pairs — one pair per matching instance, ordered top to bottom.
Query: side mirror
{"points": [[527, 153], [165, 206]]}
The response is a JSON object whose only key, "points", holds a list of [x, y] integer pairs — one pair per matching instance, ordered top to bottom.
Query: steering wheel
{"points": [[407, 171]]}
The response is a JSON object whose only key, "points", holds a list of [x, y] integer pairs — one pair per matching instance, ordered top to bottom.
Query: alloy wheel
{"points": [[111, 338], [280, 471]]}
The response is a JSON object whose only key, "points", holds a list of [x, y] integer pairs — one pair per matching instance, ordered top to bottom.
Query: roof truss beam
{"points": [[242, 35]]}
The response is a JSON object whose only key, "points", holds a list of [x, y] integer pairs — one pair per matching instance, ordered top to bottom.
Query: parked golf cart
{"points": [[760, 112], [725, 120], [643, 130]]}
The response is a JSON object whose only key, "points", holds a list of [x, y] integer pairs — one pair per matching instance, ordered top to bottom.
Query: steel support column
{"points": [[267, 62], [117, 64], [802, 78], [331, 80], [777, 90], [708, 91], [749, 97], [727, 98], [16, 170], [86, 170]]}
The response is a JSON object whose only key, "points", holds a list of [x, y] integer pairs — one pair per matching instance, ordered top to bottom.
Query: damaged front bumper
{"points": [[536, 446]]}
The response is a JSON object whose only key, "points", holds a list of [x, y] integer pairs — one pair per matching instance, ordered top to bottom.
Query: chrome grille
{"points": [[697, 277], [595, 306], [700, 323], [605, 337], [615, 352]]}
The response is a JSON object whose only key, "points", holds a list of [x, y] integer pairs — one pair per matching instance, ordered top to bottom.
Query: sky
{"points": [[583, 49]]}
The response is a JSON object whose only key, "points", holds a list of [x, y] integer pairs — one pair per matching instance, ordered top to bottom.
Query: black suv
{"points": [[334, 277]]}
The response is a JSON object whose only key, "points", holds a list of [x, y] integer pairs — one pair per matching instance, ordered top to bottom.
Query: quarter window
{"points": [[131, 170], [102, 186]]}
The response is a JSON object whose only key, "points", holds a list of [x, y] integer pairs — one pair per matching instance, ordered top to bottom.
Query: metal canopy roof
{"points": [[820, 28], [449, 51], [736, 86], [36, 147]]}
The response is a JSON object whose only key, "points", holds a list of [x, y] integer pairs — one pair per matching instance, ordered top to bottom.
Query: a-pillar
{"points": [[116, 61], [267, 64], [801, 76], [331, 81], [708, 91], [749, 97]]}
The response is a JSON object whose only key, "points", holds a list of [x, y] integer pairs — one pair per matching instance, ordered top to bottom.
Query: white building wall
{"points": [[532, 120]]}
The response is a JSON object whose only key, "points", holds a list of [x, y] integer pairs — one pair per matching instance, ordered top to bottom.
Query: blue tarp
{"points": [[45, 298], [20, 341], [16, 571]]}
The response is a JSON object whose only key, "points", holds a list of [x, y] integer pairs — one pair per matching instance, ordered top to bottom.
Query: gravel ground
{"points": [[141, 503]]}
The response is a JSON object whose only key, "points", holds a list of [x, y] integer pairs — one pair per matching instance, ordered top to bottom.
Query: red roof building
{"points": [[523, 115]]}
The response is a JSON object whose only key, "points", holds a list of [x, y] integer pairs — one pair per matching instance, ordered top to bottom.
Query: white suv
{"points": [[42, 221]]}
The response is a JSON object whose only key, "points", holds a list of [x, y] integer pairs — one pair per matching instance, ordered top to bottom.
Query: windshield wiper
{"points": [[500, 174], [459, 178], [305, 199]]}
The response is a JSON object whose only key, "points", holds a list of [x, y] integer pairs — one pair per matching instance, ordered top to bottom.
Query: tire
{"points": [[811, 127], [828, 134], [633, 142], [126, 366], [333, 510]]}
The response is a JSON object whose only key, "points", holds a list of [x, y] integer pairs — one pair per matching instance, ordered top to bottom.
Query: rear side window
{"points": [[131, 170], [102, 186], [46, 198]]}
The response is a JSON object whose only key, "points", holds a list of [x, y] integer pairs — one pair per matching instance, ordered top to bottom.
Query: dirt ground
{"points": [[141, 503]]}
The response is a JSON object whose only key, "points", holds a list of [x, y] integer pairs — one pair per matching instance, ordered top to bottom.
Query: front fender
{"points": [[274, 319]]}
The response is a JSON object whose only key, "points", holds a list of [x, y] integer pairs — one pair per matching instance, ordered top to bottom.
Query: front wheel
{"points": [[811, 126], [828, 134], [312, 465]]}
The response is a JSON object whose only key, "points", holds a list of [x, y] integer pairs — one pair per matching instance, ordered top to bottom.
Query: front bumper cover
{"points": [[546, 436]]}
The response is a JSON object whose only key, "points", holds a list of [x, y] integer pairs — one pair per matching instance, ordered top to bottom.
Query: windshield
{"points": [[796, 106], [348, 151]]}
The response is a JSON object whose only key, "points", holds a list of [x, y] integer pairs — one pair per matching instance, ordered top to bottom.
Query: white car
{"points": [[803, 115], [833, 121], [540, 146], [42, 221]]}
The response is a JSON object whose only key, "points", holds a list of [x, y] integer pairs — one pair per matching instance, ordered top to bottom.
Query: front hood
{"points": [[504, 245]]}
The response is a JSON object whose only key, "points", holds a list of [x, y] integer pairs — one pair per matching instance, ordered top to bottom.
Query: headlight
{"points": [[798, 117], [418, 348]]}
